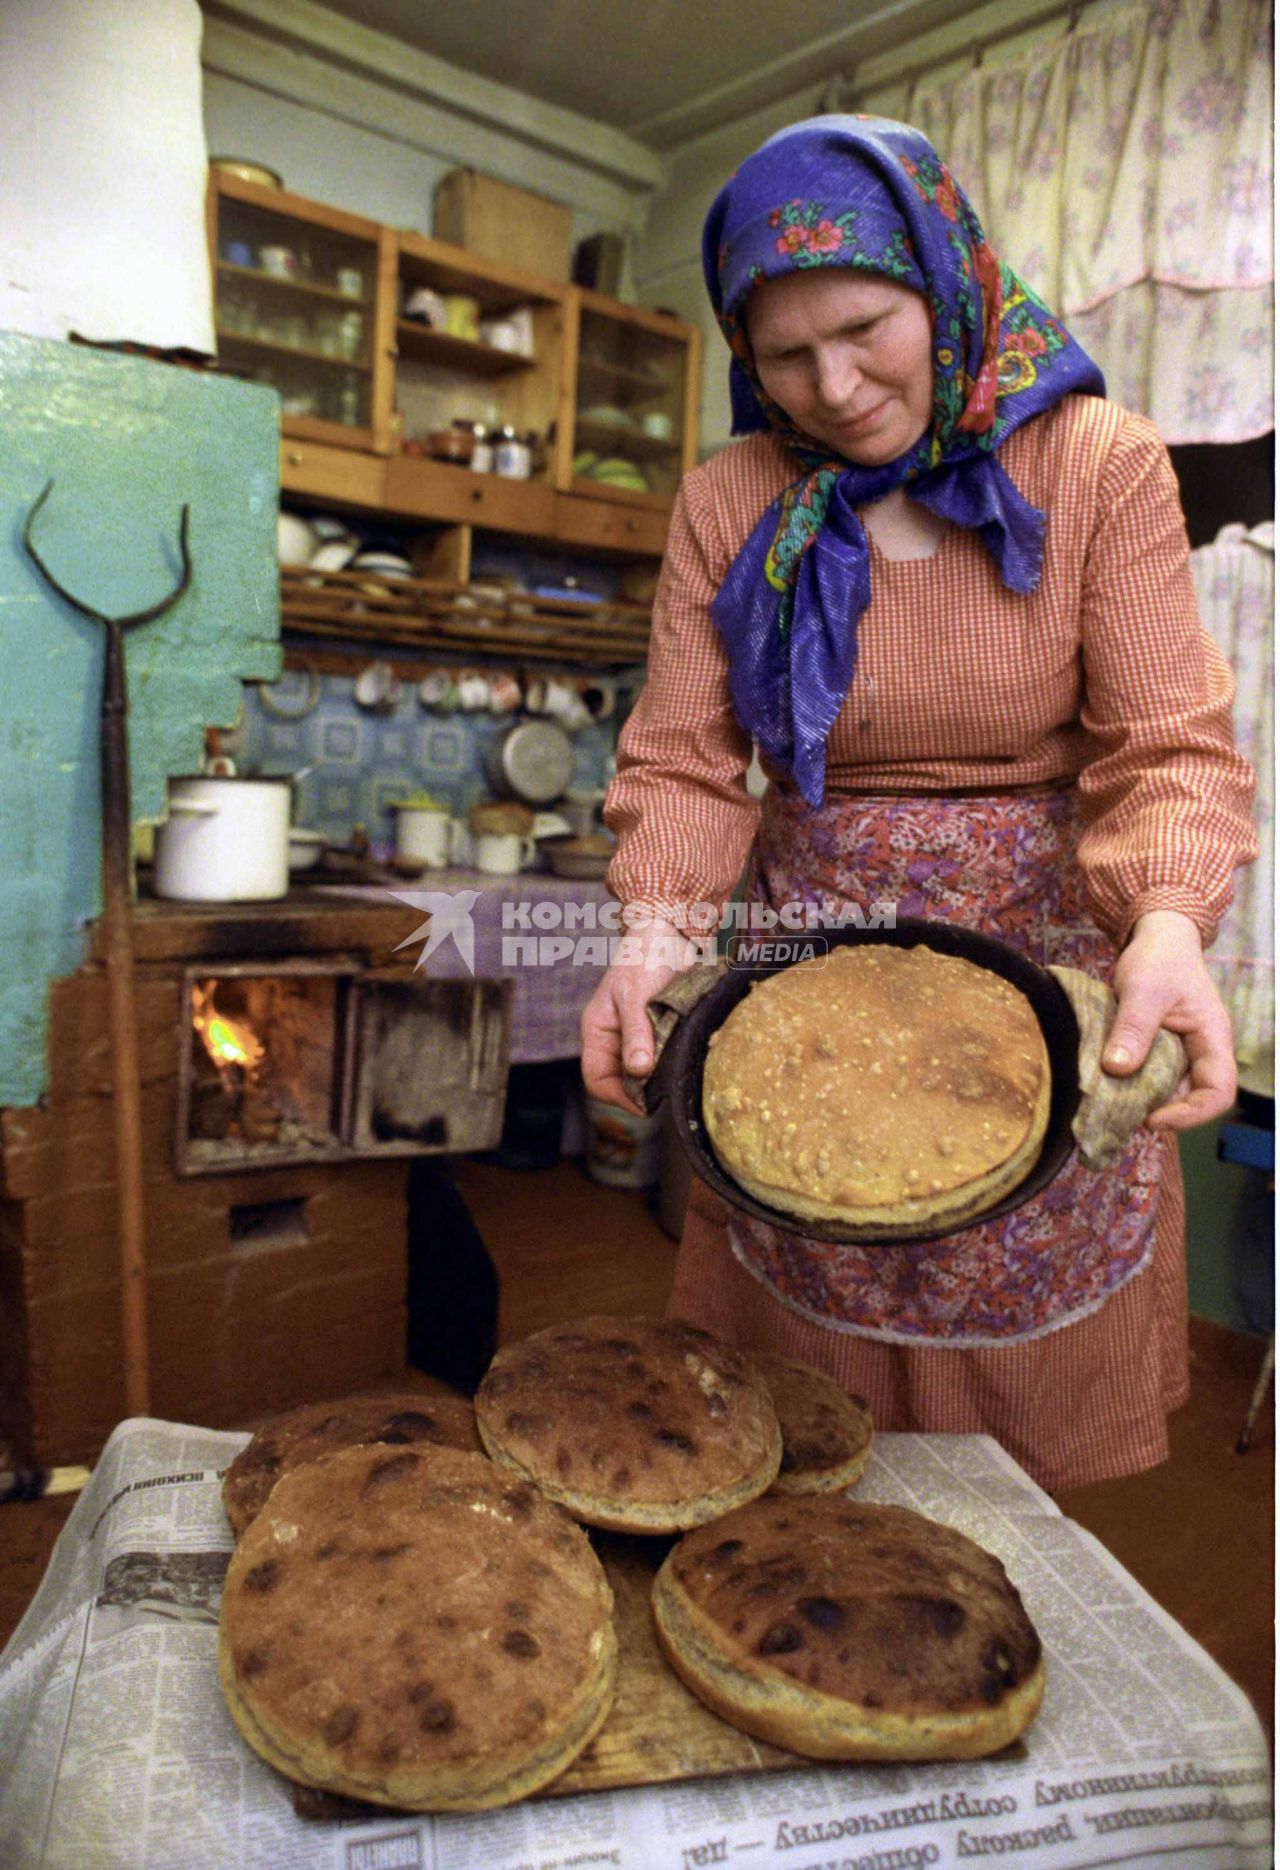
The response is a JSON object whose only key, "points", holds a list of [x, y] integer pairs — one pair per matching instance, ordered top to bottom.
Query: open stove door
{"points": [[427, 1064]]}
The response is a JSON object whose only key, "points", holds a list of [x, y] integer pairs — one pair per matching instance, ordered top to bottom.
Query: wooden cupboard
{"points": [[313, 300]]}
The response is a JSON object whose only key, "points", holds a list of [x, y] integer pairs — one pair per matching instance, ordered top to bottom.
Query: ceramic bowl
{"points": [[295, 540], [333, 555]]}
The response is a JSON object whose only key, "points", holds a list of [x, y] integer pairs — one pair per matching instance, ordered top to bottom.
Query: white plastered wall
{"points": [[102, 172]]}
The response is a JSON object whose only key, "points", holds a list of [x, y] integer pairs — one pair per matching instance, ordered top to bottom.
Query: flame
{"points": [[227, 1041]]}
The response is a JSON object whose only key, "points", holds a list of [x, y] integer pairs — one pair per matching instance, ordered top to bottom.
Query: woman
{"points": [[943, 585]]}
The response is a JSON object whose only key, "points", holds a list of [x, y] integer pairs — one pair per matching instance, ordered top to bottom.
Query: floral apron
{"points": [[1002, 863]]}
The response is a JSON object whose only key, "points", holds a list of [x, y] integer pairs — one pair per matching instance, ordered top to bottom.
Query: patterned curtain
{"points": [[1125, 170], [1235, 585]]}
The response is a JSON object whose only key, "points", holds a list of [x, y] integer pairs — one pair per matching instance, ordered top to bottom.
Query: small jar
{"points": [[350, 334], [349, 403], [481, 450], [511, 458]]}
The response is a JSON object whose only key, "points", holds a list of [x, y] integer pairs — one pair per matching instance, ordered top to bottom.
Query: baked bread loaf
{"points": [[879, 1087], [636, 1424], [826, 1432], [303, 1434], [412, 1626], [850, 1632]]}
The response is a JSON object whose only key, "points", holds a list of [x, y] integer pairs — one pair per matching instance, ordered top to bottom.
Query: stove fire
{"points": [[227, 1041], [261, 1069], [230, 1109]]}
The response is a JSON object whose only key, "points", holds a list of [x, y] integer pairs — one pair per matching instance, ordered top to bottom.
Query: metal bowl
{"points": [[246, 170], [678, 1078]]}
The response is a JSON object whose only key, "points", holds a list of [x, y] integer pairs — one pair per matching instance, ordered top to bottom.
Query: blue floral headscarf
{"points": [[868, 193]]}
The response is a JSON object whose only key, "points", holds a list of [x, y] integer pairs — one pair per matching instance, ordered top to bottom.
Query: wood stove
{"points": [[322, 1061], [292, 1064]]}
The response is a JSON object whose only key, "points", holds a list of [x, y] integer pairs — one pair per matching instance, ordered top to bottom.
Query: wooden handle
{"points": [[117, 928], [126, 1104]]}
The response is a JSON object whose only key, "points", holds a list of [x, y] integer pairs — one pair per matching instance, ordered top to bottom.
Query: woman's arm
{"points": [[1166, 797], [679, 804], [1161, 980]]}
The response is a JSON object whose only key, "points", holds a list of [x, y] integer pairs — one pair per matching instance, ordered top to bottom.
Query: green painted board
{"points": [[126, 443]]}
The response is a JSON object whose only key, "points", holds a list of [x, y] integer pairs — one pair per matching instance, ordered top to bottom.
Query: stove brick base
{"points": [[264, 1289]]}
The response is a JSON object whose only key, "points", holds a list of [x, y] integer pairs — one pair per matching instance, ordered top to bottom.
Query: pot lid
{"points": [[537, 760], [231, 779], [416, 802]]}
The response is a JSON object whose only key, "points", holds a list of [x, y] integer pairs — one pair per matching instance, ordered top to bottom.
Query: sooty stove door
{"points": [[427, 1065]]}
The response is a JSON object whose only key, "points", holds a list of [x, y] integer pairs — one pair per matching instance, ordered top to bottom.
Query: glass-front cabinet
{"points": [[302, 301], [479, 352], [420, 379], [635, 402]]}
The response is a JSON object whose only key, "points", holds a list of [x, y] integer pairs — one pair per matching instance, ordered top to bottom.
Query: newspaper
{"points": [[117, 1753]]}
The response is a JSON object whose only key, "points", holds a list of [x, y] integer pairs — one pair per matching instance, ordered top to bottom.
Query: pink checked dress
{"points": [[1043, 767]]}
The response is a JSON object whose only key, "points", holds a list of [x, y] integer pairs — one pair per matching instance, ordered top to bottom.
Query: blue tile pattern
{"points": [[360, 761]]}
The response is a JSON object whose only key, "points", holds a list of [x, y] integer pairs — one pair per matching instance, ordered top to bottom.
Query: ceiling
{"points": [[660, 70]]}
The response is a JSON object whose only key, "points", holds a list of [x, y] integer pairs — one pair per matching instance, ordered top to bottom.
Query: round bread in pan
{"points": [[879, 1086], [635, 1424], [826, 1432], [304, 1434], [412, 1626], [847, 1631]]}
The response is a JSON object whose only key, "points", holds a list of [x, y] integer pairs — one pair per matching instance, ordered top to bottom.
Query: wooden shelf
{"points": [[434, 263], [297, 288], [425, 345], [301, 352], [598, 370], [623, 441], [625, 496], [421, 613]]}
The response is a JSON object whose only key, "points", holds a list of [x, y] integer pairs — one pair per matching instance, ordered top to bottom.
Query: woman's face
{"points": [[849, 356]]}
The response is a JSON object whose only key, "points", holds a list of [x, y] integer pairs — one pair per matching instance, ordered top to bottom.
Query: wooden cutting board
{"points": [[656, 1731]]}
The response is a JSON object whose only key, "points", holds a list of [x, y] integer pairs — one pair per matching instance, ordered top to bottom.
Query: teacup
{"points": [[280, 262], [377, 687], [439, 691], [474, 691], [505, 693], [552, 696], [599, 699], [562, 702], [429, 836], [503, 853]]}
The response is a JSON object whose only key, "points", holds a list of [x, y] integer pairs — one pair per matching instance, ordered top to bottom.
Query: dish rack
{"points": [[425, 613]]}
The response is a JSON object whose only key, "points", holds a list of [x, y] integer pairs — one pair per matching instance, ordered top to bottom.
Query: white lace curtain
{"points": [[1125, 170], [1235, 585]]}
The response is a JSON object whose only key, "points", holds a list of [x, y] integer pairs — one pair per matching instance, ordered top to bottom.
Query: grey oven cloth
{"points": [[667, 1008], [1113, 1109]]}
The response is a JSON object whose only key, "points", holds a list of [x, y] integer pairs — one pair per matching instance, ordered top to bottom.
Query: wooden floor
{"points": [[1198, 1533]]}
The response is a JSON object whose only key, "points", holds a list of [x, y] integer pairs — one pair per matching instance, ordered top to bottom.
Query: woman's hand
{"points": [[1161, 980], [616, 1034]]}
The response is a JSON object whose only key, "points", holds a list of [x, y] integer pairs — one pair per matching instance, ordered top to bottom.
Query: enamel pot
{"points": [[224, 841]]}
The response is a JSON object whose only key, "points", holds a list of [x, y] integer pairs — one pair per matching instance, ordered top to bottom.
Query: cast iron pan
{"points": [[678, 1076]]}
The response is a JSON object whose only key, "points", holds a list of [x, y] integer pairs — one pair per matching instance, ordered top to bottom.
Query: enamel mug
{"points": [[427, 835], [503, 853]]}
